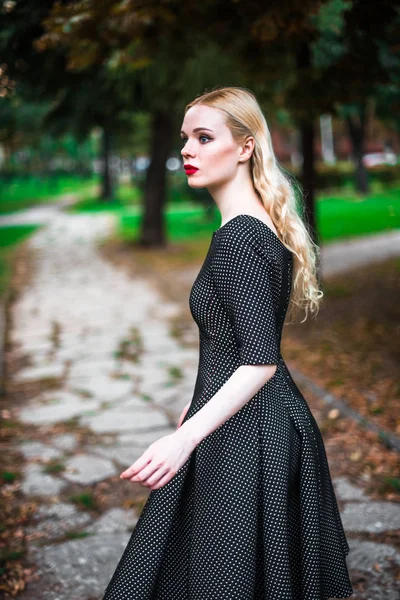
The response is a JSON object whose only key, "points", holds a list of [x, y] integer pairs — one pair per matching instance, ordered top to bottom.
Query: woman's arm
{"points": [[242, 272], [243, 384]]}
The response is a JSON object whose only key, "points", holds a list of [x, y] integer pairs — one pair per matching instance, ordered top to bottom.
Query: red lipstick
{"points": [[189, 169]]}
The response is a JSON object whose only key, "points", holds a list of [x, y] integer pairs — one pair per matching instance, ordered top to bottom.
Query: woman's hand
{"points": [[161, 461]]}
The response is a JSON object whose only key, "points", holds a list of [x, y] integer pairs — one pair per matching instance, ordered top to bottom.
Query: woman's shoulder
{"points": [[247, 231]]}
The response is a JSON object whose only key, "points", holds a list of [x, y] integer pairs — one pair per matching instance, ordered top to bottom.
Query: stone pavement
{"points": [[42, 213], [344, 255], [106, 339]]}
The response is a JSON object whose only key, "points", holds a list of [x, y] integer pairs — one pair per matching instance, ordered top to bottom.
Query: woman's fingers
{"points": [[160, 461], [136, 467], [147, 471], [167, 477], [155, 478]]}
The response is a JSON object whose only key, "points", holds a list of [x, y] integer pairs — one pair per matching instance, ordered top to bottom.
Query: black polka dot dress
{"points": [[252, 514]]}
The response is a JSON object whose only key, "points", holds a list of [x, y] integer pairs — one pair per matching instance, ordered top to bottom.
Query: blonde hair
{"points": [[276, 191]]}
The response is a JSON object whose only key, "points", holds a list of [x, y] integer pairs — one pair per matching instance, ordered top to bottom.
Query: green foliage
{"points": [[330, 23], [112, 65], [21, 121], [135, 140], [341, 176], [20, 192], [10, 236], [130, 348], [175, 373], [53, 466], [9, 477], [392, 483], [85, 500], [77, 535], [7, 555]]}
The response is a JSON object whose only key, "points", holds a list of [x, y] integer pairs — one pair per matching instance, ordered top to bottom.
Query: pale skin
{"points": [[224, 169]]}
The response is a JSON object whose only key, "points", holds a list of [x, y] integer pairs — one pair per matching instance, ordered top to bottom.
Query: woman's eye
{"points": [[201, 137]]}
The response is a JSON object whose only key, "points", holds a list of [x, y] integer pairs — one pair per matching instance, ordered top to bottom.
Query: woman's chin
{"points": [[195, 184]]}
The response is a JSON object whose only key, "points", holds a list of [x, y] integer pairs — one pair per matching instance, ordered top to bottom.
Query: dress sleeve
{"points": [[242, 273]]}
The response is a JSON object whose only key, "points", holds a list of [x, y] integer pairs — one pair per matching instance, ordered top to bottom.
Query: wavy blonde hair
{"points": [[276, 190]]}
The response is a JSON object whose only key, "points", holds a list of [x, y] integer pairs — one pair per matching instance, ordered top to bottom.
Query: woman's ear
{"points": [[246, 149]]}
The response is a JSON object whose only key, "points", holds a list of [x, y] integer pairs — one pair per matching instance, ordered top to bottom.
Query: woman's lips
{"points": [[190, 170]]}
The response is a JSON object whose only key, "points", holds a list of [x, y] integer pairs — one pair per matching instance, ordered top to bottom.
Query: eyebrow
{"points": [[199, 129]]}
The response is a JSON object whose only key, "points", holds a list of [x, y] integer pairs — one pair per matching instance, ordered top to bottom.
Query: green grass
{"points": [[22, 193], [126, 197], [339, 216], [343, 216], [181, 225], [14, 234], [10, 236], [53, 467], [9, 476], [85, 500], [77, 535]]}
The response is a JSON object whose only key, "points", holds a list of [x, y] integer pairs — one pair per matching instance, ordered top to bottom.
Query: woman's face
{"points": [[208, 147]]}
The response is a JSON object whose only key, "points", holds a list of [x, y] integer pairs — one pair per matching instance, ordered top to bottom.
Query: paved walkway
{"points": [[40, 214], [338, 257], [126, 378]]}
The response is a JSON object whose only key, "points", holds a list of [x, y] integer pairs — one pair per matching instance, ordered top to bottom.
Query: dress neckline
{"points": [[256, 219]]}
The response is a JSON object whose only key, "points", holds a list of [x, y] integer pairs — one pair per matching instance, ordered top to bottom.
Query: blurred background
{"points": [[101, 239]]}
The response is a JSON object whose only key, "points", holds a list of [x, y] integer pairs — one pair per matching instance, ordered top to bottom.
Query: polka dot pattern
{"points": [[252, 514]]}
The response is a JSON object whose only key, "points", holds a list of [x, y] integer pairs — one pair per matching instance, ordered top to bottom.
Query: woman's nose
{"points": [[186, 151]]}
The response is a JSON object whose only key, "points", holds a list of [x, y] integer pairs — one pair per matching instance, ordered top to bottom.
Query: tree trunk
{"points": [[356, 129], [307, 138], [307, 142], [107, 183], [153, 228]]}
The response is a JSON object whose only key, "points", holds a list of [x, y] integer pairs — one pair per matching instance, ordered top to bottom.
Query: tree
{"points": [[165, 37], [357, 55], [77, 101], [103, 102]]}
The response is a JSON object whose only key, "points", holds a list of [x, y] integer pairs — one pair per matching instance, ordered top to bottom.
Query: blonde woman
{"points": [[242, 505]]}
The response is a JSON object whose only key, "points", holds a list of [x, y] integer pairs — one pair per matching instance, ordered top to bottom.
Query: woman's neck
{"points": [[237, 197]]}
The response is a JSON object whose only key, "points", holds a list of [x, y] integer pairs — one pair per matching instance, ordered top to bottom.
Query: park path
{"points": [[41, 213], [345, 255], [105, 339], [122, 375]]}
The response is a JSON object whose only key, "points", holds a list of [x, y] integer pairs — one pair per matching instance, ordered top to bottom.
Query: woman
{"points": [[242, 505]]}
